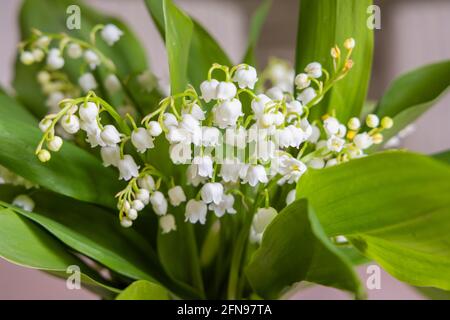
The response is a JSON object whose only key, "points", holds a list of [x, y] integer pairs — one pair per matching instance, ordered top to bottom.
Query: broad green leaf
{"points": [[50, 16], [256, 25], [322, 25], [179, 29], [204, 50], [413, 93], [443, 156], [71, 171], [394, 207], [24, 243], [295, 248], [143, 290], [433, 293]]}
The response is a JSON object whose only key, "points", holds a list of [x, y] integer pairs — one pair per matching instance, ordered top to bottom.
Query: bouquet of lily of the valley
{"points": [[236, 183]]}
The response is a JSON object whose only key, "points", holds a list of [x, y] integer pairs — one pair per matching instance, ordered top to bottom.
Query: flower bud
{"points": [[43, 42], [349, 43], [74, 51], [335, 52], [38, 55], [27, 58], [54, 59], [91, 59], [314, 70], [43, 77], [302, 81], [112, 83], [307, 95], [372, 121], [70, 123], [387, 123], [45, 124], [354, 124], [154, 128], [377, 138], [363, 141], [55, 144], [44, 155], [147, 182], [143, 195], [291, 196], [23, 201], [159, 203], [137, 205], [132, 214], [262, 218], [126, 222]]}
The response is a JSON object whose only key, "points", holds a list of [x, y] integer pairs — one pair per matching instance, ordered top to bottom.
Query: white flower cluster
{"points": [[54, 83], [225, 142]]}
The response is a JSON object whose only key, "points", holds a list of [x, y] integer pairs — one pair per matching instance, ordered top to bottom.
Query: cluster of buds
{"points": [[225, 142]]}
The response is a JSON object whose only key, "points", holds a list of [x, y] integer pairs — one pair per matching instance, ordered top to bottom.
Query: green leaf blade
{"points": [[143, 290]]}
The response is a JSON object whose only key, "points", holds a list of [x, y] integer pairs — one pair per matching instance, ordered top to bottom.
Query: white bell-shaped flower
{"points": [[111, 34], [74, 51], [38, 55], [27, 58], [54, 59], [92, 59], [314, 70], [245, 76], [87, 82], [112, 83], [208, 89], [226, 90], [275, 93], [307, 95], [260, 103], [294, 107], [196, 111], [227, 113], [170, 120], [70, 123], [45, 124], [331, 126], [315, 134], [110, 135], [210, 136], [298, 136], [94, 137], [283, 137], [141, 139], [363, 141], [335, 144], [180, 153], [44, 155], [110, 155], [316, 163], [203, 166], [127, 168], [290, 169], [230, 170], [253, 174], [192, 176], [146, 182], [212, 192], [143, 195], [176, 196], [24, 202], [159, 203], [137, 205], [225, 206], [196, 211], [262, 218], [167, 223]]}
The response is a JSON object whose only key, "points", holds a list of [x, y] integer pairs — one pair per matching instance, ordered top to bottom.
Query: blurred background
{"points": [[413, 33]]}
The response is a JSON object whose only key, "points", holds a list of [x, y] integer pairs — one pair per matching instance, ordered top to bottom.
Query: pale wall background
{"points": [[414, 32]]}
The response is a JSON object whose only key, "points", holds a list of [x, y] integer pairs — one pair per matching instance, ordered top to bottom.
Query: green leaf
{"points": [[256, 25], [322, 25], [179, 28], [204, 50], [127, 54], [412, 94], [443, 156], [71, 171], [394, 207], [24, 243], [295, 248], [143, 290], [433, 293]]}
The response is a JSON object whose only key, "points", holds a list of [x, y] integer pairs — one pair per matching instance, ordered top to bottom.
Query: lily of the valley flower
{"points": [[111, 34], [54, 59], [245, 76], [227, 113], [110, 135], [141, 139], [110, 155], [127, 168], [212, 192], [176, 196], [24, 202], [159, 203], [225, 206], [196, 211], [167, 223]]}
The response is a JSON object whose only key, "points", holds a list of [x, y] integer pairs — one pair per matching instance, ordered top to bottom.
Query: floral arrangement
{"points": [[237, 184]]}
